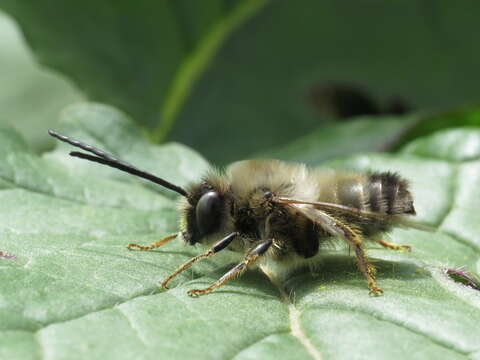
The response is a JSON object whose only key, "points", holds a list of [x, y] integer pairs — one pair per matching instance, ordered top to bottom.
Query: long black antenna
{"points": [[107, 159]]}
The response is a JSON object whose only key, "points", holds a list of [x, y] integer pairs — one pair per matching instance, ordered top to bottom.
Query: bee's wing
{"points": [[326, 208], [324, 220]]}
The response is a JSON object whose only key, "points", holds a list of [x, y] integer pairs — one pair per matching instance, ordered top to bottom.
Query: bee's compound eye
{"points": [[208, 212]]}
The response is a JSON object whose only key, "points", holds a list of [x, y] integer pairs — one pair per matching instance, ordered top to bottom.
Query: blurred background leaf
{"points": [[142, 56], [232, 78], [31, 98], [429, 123], [358, 135]]}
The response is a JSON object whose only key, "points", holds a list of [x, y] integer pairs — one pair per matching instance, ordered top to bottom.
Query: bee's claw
{"points": [[376, 291], [198, 292], [194, 293]]}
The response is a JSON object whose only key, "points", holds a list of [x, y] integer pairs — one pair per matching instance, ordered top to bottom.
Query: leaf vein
{"points": [[193, 65], [295, 326], [135, 329], [260, 339]]}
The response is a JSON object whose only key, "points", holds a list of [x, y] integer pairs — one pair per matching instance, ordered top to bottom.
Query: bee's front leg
{"points": [[153, 245], [218, 246], [250, 258]]}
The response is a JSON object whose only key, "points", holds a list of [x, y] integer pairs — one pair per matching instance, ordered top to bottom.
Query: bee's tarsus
{"points": [[153, 245], [218, 246], [393, 246]]}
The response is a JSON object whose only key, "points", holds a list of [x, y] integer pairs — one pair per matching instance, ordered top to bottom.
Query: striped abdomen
{"points": [[385, 193], [389, 194]]}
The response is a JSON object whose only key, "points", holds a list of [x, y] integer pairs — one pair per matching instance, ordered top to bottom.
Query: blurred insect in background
{"points": [[278, 215]]}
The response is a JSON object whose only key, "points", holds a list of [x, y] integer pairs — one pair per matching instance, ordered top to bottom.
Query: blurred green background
{"points": [[239, 79]]}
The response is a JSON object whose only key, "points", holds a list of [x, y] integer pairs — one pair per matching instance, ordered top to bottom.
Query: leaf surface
{"points": [[73, 291]]}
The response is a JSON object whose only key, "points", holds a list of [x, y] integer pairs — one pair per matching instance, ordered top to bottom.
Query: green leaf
{"points": [[430, 123], [382, 133], [453, 145], [73, 291]]}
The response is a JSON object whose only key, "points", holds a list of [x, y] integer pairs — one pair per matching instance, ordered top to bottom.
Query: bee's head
{"points": [[205, 210]]}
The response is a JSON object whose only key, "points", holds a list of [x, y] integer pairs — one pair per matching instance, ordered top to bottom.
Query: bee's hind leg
{"points": [[355, 240], [389, 245], [367, 269], [237, 270]]}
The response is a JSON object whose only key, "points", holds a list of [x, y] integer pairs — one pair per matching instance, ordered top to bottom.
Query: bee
{"points": [[278, 215]]}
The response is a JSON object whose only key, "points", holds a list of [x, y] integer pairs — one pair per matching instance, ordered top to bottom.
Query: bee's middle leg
{"points": [[237, 270]]}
